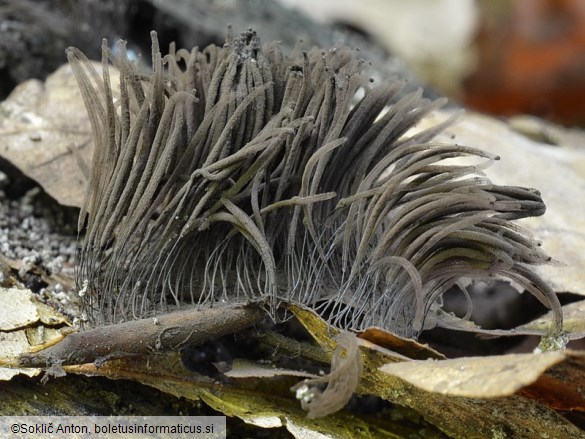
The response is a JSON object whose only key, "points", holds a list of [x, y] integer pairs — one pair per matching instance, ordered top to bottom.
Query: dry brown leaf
{"points": [[40, 124], [569, 141], [20, 309], [573, 321], [25, 324], [573, 325], [391, 346], [405, 346], [247, 369], [476, 377], [465, 417]]}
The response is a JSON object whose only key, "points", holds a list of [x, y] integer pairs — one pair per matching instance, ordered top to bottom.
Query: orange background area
{"points": [[531, 60]]}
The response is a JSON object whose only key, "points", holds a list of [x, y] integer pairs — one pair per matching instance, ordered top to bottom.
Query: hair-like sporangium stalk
{"points": [[237, 174]]}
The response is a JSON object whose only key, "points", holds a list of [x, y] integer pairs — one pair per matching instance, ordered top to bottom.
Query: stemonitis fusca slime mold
{"points": [[235, 179]]}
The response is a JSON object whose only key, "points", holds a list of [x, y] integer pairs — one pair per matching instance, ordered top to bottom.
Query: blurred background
{"points": [[504, 57]]}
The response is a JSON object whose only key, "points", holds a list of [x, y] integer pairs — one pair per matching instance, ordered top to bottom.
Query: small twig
{"points": [[159, 334], [291, 346]]}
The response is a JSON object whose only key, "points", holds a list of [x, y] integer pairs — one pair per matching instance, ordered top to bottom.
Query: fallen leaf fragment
{"points": [[40, 125], [20, 309], [573, 321], [25, 323], [371, 340], [407, 347], [247, 369], [476, 377], [462, 416]]}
